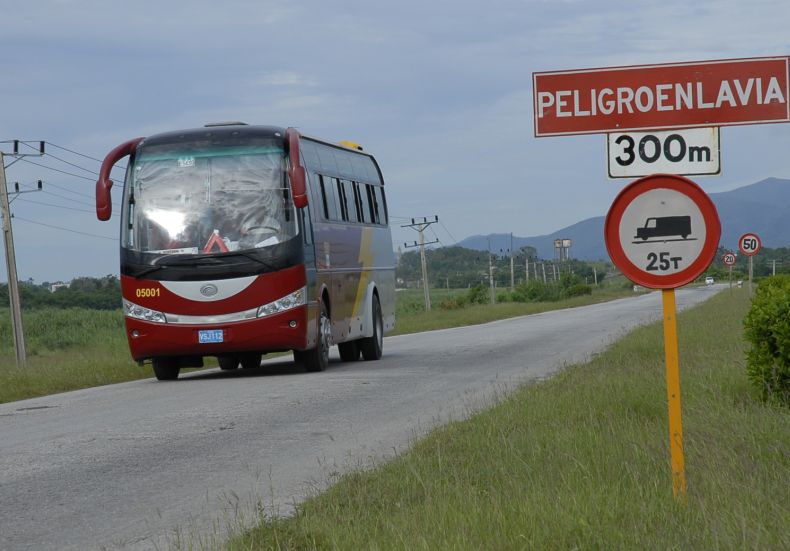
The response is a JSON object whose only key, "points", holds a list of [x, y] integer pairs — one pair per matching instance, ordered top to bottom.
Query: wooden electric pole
{"points": [[420, 226], [13, 282]]}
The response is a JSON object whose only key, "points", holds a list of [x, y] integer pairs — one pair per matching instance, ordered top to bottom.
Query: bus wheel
{"points": [[371, 346], [349, 351], [317, 359], [251, 360], [228, 363], [166, 369]]}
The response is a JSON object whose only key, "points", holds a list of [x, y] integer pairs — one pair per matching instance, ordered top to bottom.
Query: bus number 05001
{"points": [[662, 262], [147, 293]]}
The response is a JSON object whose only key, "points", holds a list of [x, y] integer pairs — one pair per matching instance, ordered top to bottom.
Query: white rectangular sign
{"points": [[688, 151]]}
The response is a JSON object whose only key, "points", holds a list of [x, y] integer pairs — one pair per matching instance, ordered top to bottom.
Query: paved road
{"points": [[139, 465]]}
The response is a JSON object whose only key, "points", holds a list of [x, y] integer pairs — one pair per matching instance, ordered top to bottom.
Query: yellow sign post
{"points": [[673, 394]]}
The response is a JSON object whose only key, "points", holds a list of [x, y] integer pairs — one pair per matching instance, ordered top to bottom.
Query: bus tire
{"points": [[371, 347], [349, 351], [317, 359], [251, 360], [228, 363], [166, 369]]}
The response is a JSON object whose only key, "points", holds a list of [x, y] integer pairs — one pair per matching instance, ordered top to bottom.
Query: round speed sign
{"points": [[662, 231], [750, 244], [729, 259]]}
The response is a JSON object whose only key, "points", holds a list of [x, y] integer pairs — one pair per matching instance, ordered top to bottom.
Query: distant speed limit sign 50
{"points": [[662, 231], [750, 244]]}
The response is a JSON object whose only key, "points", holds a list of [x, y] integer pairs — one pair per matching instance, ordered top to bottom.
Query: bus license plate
{"points": [[206, 336]]}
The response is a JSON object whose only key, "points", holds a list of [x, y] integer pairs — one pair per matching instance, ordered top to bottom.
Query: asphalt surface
{"points": [[151, 465]]}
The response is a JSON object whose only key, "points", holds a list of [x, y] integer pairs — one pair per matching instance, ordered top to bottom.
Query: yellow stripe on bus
{"points": [[366, 259]]}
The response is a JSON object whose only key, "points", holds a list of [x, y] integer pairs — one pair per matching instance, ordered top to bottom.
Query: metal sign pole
{"points": [[750, 276], [673, 394]]}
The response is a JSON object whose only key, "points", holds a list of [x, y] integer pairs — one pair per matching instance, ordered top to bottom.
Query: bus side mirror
{"points": [[296, 173], [104, 184], [299, 186]]}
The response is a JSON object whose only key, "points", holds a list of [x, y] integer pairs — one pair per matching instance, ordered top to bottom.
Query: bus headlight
{"points": [[297, 298], [146, 314]]}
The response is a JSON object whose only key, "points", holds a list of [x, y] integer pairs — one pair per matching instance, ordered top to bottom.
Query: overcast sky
{"points": [[439, 91]]}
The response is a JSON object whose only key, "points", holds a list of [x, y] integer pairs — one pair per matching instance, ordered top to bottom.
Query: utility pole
{"points": [[420, 228], [10, 255], [526, 269], [512, 273], [491, 278], [13, 283]]}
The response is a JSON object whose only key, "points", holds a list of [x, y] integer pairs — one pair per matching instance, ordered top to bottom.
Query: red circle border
{"points": [[643, 185], [759, 244]]}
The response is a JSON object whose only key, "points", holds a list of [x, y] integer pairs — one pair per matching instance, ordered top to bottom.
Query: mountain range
{"points": [[762, 208]]}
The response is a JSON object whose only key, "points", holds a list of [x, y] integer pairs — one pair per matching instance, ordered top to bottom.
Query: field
{"points": [[74, 348], [66, 349], [580, 461]]}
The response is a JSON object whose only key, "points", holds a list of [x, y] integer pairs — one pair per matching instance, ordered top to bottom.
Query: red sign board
{"points": [[672, 95], [662, 231], [750, 244], [729, 259]]}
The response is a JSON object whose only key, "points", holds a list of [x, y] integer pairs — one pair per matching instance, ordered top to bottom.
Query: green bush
{"points": [[577, 290], [478, 295], [767, 328]]}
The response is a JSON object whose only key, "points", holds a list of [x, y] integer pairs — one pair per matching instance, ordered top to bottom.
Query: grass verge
{"points": [[580, 461]]}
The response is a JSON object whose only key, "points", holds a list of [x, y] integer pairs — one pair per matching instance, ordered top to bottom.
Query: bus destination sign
{"points": [[673, 95]]}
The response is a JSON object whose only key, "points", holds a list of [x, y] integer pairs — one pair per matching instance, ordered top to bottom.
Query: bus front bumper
{"points": [[283, 331]]}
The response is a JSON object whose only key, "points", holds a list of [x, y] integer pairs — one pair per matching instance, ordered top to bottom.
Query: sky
{"points": [[439, 91]]}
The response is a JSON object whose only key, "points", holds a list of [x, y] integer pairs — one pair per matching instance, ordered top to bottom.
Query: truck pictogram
{"points": [[665, 226]]}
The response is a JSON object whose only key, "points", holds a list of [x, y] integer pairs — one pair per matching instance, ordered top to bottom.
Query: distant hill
{"points": [[763, 208]]}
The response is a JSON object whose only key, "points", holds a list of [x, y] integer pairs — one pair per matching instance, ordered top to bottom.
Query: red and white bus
{"points": [[238, 240]]}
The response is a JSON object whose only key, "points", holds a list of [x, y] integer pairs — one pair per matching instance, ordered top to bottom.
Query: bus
{"points": [[238, 240]]}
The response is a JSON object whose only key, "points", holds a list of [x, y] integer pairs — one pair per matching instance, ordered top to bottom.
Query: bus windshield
{"points": [[206, 198]]}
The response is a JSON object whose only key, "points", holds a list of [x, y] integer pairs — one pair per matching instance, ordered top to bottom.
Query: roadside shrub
{"points": [[578, 290], [537, 291], [479, 294], [454, 303], [767, 328]]}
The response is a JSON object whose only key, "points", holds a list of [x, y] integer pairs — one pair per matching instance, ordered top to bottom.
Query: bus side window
{"points": [[328, 193], [346, 198], [371, 200], [357, 201], [364, 204], [381, 204], [306, 224]]}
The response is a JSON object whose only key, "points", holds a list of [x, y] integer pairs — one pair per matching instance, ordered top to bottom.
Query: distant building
{"points": [[59, 285]]}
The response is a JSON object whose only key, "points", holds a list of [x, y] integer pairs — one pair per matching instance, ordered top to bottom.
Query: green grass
{"points": [[411, 316], [69, 349], [66, 350], [580, 461]]}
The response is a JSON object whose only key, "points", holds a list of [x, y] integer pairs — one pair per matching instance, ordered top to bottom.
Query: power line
{"points": [[75, 152], [63, 160], [120, 167], [58, 170], [63, 188], [68, 198], [55, 206], [63, 229], [448, 232], [437, 237]]}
